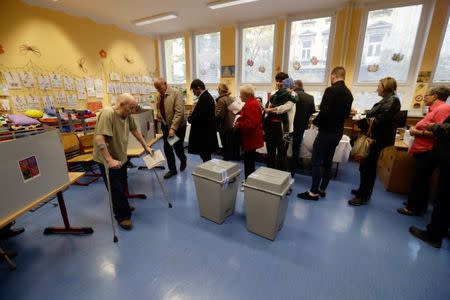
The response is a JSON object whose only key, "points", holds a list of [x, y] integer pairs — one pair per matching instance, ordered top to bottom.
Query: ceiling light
{"points": [[227, 3], [155, 18]]}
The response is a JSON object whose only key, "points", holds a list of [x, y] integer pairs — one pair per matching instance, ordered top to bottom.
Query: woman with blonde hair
{"points": [[383, 114], [225, 119]]}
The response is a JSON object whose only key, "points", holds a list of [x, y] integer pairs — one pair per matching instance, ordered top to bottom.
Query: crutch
{"points": [[162, 188], [115, 239]]}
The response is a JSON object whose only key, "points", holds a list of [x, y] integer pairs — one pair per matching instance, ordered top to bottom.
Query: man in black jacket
{"points": [[334, 109], [303, 111], [440, 218]]}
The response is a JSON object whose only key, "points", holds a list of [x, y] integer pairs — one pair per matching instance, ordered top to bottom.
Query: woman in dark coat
{"points": [[225, 119], [383, 132], [202, 137]]}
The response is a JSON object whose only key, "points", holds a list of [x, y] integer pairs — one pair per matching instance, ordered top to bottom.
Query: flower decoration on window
{"points": [[1, 49], [24, 49], [103, 53], [398, 57], [314, 60], [250, 62], [296, 65], [373, 68], [262, 69], [202, 72]]}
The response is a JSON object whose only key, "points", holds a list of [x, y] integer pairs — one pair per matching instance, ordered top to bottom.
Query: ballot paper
{"points": [[235, 106], [173, 140], [154, 160]]}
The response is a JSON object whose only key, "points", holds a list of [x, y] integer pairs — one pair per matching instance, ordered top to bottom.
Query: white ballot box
{"points": [[216, 184], [266, 201]]}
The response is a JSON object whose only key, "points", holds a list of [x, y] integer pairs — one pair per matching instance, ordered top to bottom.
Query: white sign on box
{"points": [[154, 160]]}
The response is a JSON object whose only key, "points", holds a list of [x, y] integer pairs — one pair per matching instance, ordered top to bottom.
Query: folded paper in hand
{"points": [[235, 106], [173, 140], [155, 160]]}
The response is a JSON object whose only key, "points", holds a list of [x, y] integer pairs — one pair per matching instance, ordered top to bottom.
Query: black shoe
{"points": [[183, 166], [170, 174], [354, 192], [322, 194], [307, 196], [357, 201], [132, 208], [408, 212], [11, 233], [425, 236]]}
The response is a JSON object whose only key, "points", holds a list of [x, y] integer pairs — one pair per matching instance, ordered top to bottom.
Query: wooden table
{"points": [[401, 145], [67, 229]]}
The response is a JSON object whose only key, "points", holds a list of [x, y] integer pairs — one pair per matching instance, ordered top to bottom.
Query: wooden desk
{"points": [[401, 145]]}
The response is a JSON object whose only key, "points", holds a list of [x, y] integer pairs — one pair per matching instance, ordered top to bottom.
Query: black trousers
{"points": [[297, 138], [178, 146], [276, 146], [205, 156], [322, 156], [249, 162], [368, 173], [118, 182], [420, 185], [440, 218]]}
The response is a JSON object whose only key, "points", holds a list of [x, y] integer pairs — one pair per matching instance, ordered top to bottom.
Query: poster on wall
{"points": [[114, 76], [27, 79], [12, 80], [56, 80], [44, 82], [68, 83], [90, 86], [98, 88], [110, 88], [4, 90], [81, 91], [60, 99], [72, 100], [48, 101], [34, 102], [20, 103], [5, 105], [29, 168]]}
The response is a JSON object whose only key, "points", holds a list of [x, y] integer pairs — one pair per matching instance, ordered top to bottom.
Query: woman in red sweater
{"points": [[250, 126]]}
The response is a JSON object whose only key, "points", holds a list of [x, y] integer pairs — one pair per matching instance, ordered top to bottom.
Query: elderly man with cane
{"points": [[110, 152]]}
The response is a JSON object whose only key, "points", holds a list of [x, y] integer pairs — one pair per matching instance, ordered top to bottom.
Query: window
{"points": [[389, 43], [308, 49], [257, 54], [207, 57], [175, 61], [442, 71]]}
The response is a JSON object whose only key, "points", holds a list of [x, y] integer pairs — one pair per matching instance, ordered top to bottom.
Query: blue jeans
{"points": [[323, 151]]}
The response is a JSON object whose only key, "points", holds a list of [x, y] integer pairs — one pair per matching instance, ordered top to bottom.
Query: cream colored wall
{"points": [[63, 40]]}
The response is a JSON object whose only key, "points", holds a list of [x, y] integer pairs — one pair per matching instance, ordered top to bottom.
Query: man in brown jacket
{"points": [[169, 108]]}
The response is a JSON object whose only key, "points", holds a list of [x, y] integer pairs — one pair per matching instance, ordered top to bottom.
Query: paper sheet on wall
{"points": [[114, 76], [126, 78], [27, 79], [13, 80], [56, 80], [44, 82], [68, 83], [90, 86], [98, 88], [110, 88], [4, 90], [81, 90], [60, 99], [48, 101], [72, 101], [34, 102], [20, 103], [5, 104], [235, 106], [154, 160]]}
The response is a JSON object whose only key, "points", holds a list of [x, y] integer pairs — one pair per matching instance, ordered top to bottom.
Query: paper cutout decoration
{"points": [[103, 53], [296, 65], [114, 76], [27, 79], [13, 80], [56, 80], [44, 82], [68, 83], [90, 86], [98, 88], [81, 90], [4, 91], [60, 99], [72, 100], [48, 101], [34, 102], [20, 103], [29, 168]]}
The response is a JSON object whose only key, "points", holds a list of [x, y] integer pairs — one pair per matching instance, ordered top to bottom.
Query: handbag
{"points": [[362, 145]]}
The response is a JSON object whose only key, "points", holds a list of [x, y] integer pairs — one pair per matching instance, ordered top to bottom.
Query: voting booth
{"points": [[145, 125], [216, 185], [266, 201]]}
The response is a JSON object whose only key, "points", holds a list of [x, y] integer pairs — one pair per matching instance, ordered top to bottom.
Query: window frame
{"points": [[331, 39], [441, 43], [194, 55], [162, 57]]}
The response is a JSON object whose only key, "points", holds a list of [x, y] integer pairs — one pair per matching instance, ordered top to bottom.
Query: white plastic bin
{"points": [[216, 185], [265, 194]]}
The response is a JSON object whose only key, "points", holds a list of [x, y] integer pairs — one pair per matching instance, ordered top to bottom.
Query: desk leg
{"points": [[67, 229], [5, 256]]}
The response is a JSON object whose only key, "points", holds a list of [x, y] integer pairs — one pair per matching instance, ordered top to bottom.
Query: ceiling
{"points": [[192, 14]]}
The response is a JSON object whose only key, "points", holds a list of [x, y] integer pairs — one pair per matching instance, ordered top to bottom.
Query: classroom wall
{"points": [[63, 40]]}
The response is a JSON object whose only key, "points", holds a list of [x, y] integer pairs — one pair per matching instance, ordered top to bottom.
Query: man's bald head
{"points": [[160, 85], [126, 104]]}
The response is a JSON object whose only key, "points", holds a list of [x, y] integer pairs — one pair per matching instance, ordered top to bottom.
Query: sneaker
{"points": [[183, 166], [170, 174], [308, 196], [357, 201], [126, 224], [425, 236]]}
